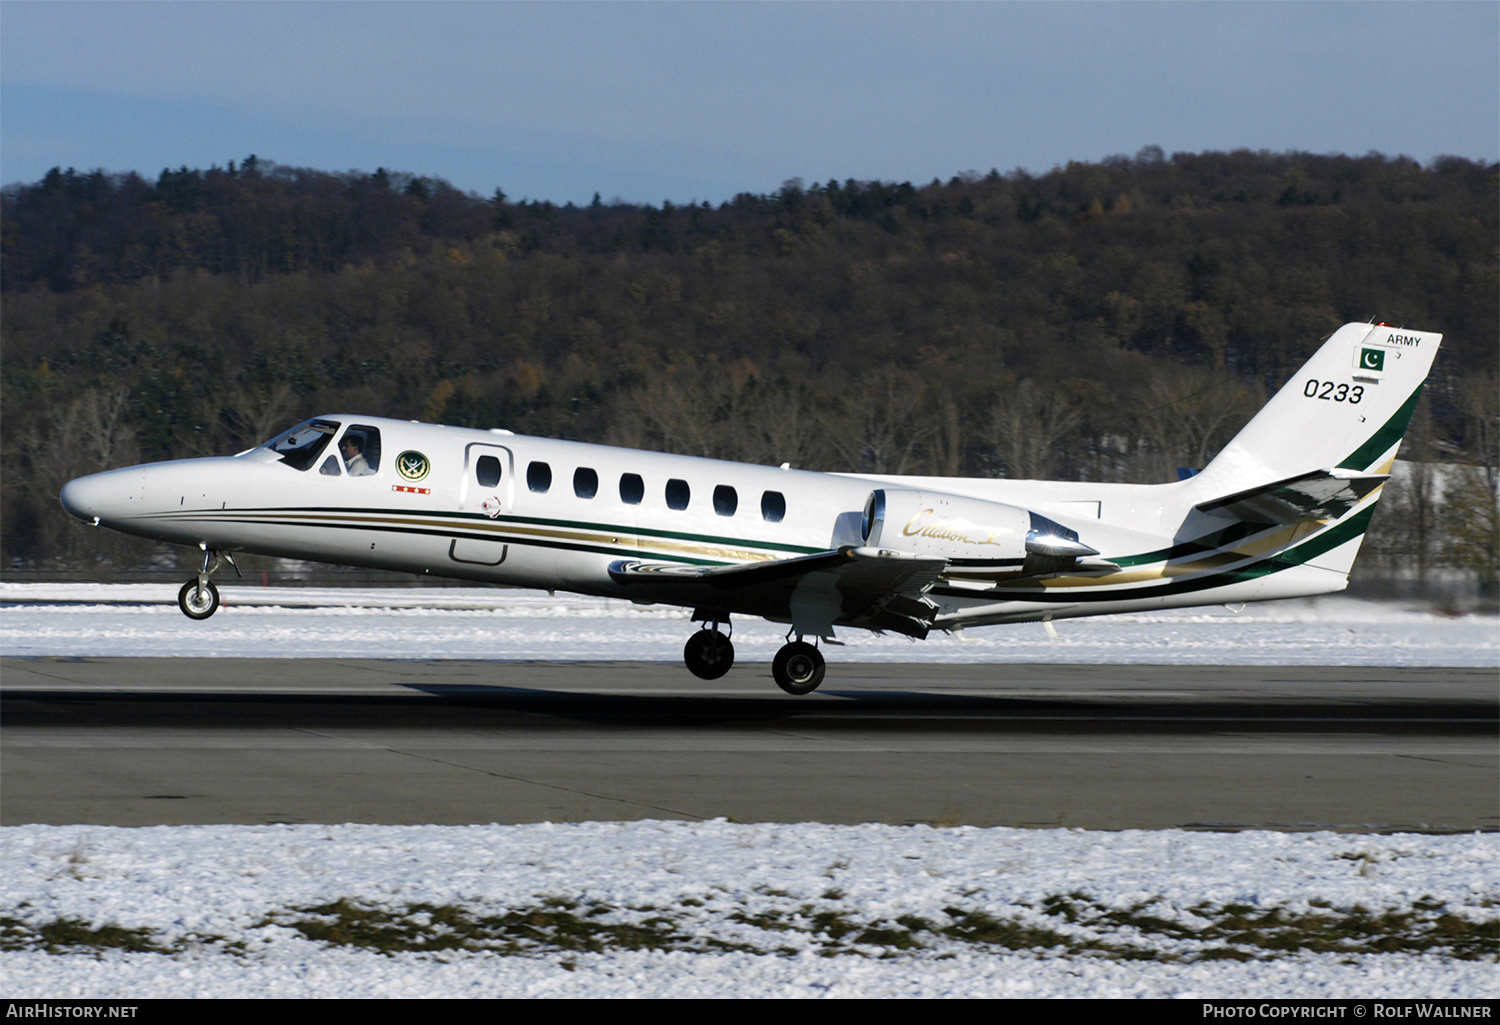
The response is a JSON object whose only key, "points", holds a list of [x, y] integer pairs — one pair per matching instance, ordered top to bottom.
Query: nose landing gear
{"points": [[199, 598]]}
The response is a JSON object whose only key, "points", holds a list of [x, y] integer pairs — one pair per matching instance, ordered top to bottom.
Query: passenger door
{"points": [[488, 488]]}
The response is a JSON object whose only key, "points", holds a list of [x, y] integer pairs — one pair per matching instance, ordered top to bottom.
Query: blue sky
{"points": [[700, 101]]}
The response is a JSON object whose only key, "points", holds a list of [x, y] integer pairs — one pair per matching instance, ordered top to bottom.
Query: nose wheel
{"points": [[199, 598], [198, 601], [708, 654], [798, 668]]}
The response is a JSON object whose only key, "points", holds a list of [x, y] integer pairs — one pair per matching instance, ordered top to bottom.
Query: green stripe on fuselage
{"points": [[607, 528], [1208, 543], [1297, 555]]}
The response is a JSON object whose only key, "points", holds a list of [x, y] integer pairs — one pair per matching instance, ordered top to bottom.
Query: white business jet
{"points": [[1279, 513]]}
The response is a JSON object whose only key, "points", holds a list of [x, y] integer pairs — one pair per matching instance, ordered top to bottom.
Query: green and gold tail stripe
{"points": [[1389, 435], [1208, 544], [1299, 554]]}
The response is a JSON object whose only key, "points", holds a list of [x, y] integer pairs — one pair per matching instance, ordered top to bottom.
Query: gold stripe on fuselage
{"points": [[625, 540], [1272, 541], [1247, 550]]}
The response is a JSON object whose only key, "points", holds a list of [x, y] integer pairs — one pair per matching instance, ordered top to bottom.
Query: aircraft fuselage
{"points": [[1279, 513]]}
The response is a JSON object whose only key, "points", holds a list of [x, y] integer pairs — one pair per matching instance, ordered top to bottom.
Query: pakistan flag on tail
{"points": [[1372, 359], [1315, 458]]}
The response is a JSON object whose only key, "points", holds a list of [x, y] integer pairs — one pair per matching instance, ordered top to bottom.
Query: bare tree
{"points": [[1188, 415], [883, 424], [1027, 425], [85, 435], [1471, 500]]}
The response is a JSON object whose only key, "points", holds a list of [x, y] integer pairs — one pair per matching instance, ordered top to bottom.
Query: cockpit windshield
{"points": [[300, 447]]}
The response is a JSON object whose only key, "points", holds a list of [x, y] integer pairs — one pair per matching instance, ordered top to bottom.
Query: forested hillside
{"points": [[1105, 321]]}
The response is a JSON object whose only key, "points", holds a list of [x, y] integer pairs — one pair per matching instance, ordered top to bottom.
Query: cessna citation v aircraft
{"points": [[1279, 513]]}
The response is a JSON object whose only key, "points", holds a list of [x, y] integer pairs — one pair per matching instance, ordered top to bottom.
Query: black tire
{"points": [[195, 605], [708, 654], [798, 668]]}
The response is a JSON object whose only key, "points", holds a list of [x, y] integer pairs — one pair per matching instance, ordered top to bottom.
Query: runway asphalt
{"points": [[144, 741]]}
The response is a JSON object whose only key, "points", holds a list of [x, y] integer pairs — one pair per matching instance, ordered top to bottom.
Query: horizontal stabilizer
{"points": [[1318, 495]]}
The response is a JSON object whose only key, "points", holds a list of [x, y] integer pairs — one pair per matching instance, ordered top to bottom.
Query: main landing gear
{"points": [[199, 598], [708, 654], [798, 667]]}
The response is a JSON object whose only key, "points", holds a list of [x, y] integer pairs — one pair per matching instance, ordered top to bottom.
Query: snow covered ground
{"points": [[488, 623], [719, 909], [731, 909]]}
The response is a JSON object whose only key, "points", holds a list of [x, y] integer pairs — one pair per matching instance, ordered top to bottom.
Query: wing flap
{"points": [[738, 575], [873, 588]]}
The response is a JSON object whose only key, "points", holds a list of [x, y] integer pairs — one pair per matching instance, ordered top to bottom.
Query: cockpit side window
{"points": [[300, 447], [360, 447]]}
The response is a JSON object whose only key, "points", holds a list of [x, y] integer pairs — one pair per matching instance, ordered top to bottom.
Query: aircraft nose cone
{"points": [[100, 495], [80, 497]]}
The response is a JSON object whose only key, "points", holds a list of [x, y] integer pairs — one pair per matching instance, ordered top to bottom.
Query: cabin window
{"points": [[300, 447], [360, 447], [330, 467], [487, 471], [539, 477], [585, 482], [632, 488], [678, 494], [725, 500], [773, 506]]}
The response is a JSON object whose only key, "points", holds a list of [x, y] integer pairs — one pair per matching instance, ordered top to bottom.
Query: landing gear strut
{"points": [[199, 598], [708, 653], [798, 668]]}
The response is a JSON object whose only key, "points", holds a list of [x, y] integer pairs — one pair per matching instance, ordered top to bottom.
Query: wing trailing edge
{"points": [[874, 588]]}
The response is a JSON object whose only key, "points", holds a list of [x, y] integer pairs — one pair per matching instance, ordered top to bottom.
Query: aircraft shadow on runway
{"points": [[469, 706]]}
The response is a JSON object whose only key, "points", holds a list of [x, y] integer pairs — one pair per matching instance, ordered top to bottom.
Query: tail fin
{"points": [[1346, 409], [1319, 451]]}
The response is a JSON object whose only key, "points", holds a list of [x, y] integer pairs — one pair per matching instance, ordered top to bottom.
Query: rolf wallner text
{"points": [[1362, 1010]]}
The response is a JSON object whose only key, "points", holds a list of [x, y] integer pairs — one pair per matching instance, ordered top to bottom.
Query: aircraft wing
{"points": [[1318, 495], [867, 587]]}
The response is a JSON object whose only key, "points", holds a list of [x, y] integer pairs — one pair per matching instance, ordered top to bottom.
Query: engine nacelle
{"points": [[931, 523], [971, 530]]}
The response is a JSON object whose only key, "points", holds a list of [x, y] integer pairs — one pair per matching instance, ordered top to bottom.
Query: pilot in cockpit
{"points": [[352, 446]]}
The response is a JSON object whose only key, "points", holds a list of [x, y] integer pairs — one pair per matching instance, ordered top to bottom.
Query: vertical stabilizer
{"points": [[1346, 409], [1314, 460]]}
